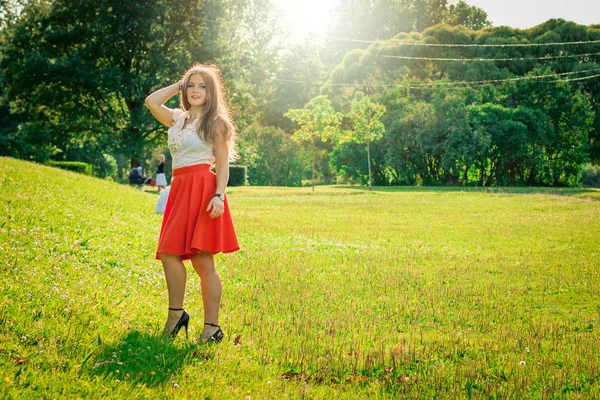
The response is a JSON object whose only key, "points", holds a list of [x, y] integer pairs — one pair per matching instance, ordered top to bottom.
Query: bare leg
{"points": [[204, 265], [175, 275]]}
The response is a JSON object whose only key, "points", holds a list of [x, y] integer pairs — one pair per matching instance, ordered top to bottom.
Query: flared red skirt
{"points": [[187, 227]]}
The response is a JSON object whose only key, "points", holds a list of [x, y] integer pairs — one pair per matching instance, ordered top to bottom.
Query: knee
{"points": [[168, 258], [203, 264]]}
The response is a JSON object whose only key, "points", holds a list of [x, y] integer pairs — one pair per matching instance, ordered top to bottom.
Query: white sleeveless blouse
{"points": [[184, 143]]}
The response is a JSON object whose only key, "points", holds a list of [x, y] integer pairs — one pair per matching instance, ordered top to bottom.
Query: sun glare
{"points": [[305, 17]]}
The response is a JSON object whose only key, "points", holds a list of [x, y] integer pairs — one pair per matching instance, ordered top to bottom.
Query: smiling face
{"points": [[196, 91]]}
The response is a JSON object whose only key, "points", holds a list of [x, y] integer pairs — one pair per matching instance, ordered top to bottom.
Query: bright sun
{"points": [[305, 17]]}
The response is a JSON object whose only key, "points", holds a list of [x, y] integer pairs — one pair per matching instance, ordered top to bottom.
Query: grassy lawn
{"points": [[340, 293]]}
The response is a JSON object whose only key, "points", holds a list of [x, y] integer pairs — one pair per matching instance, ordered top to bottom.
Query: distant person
{"points": [[136, 178], [161, 179], [196, 223]]}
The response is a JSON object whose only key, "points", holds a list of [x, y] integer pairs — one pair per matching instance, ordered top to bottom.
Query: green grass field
{"points": [[340, 293]]}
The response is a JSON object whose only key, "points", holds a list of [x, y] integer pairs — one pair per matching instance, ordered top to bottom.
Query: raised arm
{"points": [[155, 103]]}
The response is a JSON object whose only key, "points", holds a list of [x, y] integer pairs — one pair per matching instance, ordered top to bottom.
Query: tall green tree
{"points": [[80, 70], [298, 73], [317, 121], [366, 125]]}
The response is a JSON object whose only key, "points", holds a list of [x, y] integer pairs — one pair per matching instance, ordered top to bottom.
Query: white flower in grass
{"points": [[522, 362]]}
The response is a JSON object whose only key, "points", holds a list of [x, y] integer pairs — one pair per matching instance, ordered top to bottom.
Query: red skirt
{"points": [[187, 227]]}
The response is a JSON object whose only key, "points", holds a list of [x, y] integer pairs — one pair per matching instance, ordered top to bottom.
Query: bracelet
{"points": [[180, 86]]}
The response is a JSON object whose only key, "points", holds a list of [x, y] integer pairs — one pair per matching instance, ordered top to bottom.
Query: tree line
{"points": [[73, 76]]}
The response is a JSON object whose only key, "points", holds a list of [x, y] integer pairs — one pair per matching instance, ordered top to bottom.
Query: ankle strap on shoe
{"points": [[175, 309], [215, 325]]}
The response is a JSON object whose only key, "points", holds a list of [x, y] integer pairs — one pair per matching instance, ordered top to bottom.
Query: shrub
{"points": [[272, 158], [75, 166], [237, 175], [591, 175]]}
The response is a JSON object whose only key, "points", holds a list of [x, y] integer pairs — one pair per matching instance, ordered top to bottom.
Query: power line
{"points": [[469, 45], [492, 59], [522, 78], [582, 78], [465, 83]]}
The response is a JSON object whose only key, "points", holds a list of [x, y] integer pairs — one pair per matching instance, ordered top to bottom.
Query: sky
{"points": [[527, 13], [304, 17]]}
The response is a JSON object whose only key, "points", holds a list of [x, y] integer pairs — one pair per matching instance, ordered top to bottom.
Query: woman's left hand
{"points": [[216, 207]]}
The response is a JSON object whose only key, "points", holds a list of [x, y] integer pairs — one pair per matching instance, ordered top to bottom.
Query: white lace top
{"points": [[185, 145]]}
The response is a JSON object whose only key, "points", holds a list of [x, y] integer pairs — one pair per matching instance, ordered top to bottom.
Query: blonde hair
{"points": [[216, 110]]}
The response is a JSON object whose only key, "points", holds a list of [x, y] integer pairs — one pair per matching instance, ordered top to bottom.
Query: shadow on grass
{"points": [[575, 192], [143, 358]]}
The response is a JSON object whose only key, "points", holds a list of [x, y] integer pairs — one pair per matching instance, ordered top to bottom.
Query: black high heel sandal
{"points": [[184, 320], [217, 336]]}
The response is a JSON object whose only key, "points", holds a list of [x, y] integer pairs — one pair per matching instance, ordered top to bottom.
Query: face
{"points": [[196, 91]]}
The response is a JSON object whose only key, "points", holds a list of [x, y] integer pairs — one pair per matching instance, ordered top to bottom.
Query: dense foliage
{"points": [[73, 76], [527, 131]]}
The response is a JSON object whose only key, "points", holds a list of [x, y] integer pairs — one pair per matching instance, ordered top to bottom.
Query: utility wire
{"points": [[469, 45], [492, 59], [582, 78], [466, 83]]}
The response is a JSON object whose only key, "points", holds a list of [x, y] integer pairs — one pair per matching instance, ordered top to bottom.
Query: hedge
{"points": [[75, 166], [237, 175], [591, 176]]}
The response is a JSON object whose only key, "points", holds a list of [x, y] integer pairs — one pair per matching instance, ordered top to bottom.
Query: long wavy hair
{"points": [[215, 109]]}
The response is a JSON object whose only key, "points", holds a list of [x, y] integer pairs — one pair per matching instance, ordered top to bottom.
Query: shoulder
{"points": [[178, 113], [178, 117], [222, 128]]}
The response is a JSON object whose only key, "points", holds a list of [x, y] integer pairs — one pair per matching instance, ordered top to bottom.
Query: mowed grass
{"points": [[340, 293]]}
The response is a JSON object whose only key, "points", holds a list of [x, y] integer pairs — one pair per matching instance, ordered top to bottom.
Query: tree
{"points": [[470, 16], [299, 68], [80, 70], [61, 71], [318, 121], [366, 125], [271, 156]]}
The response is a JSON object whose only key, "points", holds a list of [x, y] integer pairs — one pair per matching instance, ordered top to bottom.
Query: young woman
{"points": [[161, 179], [196, 223]]}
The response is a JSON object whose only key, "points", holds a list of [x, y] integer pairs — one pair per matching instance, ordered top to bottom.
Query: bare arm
{"points": [[155, 103], [221, 159], [222, 169]]}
